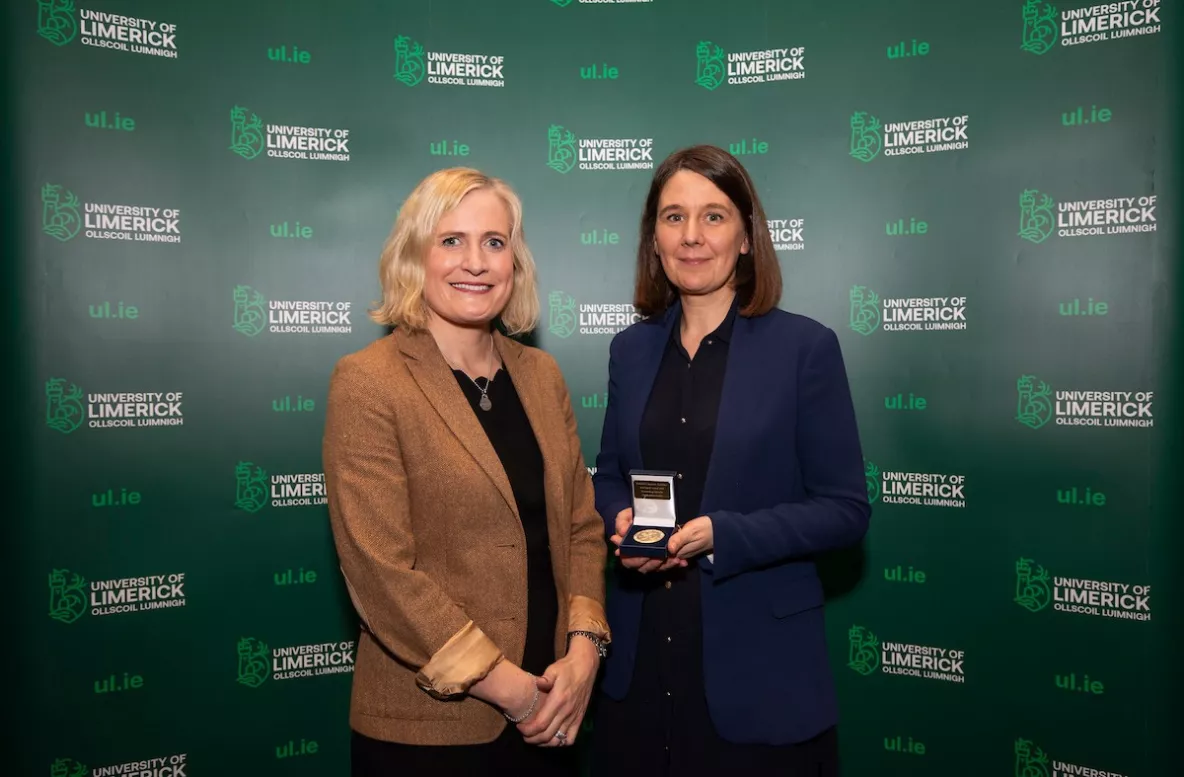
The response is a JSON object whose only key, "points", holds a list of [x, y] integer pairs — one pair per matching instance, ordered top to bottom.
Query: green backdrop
{"points": [[979, 198]]}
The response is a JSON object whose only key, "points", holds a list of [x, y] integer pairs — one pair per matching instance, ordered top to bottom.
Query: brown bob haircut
{"points": [[758, 274]]}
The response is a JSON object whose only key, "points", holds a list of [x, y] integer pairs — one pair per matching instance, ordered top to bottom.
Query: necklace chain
{"points": [[485, 403]]}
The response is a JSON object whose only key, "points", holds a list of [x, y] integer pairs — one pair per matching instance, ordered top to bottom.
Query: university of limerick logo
{"points": [[562, 3], [56, 22], [1040, 27], [709, 65], [409, 67], [246, 133], [866, 140], [561, 149], [59, 212], [1036, 219], [865, 310], [249, 314], [562, 319], [63, 405], [1034, 406], [872, 473], [250, 487], [1032, 591], [67, 596], [864, 650], [252, 662], [1030, 760], [68, 767]]}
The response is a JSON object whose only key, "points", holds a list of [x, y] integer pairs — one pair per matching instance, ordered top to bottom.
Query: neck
{"points": [[702, 314], [465, 348]]}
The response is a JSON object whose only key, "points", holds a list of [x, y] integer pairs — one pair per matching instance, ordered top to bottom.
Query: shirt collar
{"points": [[722, 332]]}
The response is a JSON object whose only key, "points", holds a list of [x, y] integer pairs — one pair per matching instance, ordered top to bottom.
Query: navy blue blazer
{"points": [[785, 482]]}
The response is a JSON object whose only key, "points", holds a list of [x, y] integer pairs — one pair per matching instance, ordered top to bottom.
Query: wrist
{"points": [[524, 701]]}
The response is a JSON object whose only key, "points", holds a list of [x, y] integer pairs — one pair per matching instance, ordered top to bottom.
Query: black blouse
{"points": [[509, 431]]}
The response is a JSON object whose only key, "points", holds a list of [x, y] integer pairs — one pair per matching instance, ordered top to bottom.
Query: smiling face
{"points": [[699, 235], [469, 270]]}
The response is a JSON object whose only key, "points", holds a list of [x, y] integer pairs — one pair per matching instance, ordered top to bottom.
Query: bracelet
{"points": [[597, 642], [529, 709]]}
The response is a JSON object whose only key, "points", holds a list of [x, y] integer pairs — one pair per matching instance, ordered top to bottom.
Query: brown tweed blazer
{"points": [[429, 539]]}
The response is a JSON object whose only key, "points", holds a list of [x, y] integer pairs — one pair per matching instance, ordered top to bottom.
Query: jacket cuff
{"points": [[586, 614], [466, 658]]}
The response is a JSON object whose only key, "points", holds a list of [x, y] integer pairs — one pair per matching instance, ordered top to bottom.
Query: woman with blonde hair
{"points": [[461, 507]]}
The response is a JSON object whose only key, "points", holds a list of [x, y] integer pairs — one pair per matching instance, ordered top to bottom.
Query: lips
{"points": [[472, 288]]}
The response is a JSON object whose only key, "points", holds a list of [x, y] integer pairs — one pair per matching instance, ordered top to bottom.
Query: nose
{"points": [[690, 232], [473, 261]]}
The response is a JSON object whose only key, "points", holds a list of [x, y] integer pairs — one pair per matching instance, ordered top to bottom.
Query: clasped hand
{"points": [[689, 540], [564, 690]]}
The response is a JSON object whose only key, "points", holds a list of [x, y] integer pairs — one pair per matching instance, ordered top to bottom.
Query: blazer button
{"points": [[667, 585]]}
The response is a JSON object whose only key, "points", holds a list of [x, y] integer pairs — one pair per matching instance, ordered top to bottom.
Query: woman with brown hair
{"points": [[719, 662]]}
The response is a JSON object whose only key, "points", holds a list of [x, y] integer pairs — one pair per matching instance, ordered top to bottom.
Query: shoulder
{"points": [[802, 328], [635, 335], [533, 357], [368, 367]]}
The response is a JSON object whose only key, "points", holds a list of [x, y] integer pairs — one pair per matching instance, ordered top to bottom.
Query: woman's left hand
{"points": [[693, 538], [571, 678]]}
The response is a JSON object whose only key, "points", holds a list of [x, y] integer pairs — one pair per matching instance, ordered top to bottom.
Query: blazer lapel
{"points": [[435, 379], [640, 382], [740, 394], [552, 440]]}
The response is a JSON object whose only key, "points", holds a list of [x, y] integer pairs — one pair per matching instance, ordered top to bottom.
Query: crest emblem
{"points": [[56, 23], [1040, 27], [709, 65], [409, 67], [246, 133], [866, 140], [561, 149], [59, 212], [1036, 219], [865, 310], [249, 315], [562, 319], [63, 405], [1034, 406], [872, 473], [250, 492], [1032, 591], [67, 596], [863, 650], [252, 662], [1030, 760], [68, 767]]}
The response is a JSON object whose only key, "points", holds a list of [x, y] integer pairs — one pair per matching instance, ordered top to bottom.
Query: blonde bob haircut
{"points": [[401, 264]]}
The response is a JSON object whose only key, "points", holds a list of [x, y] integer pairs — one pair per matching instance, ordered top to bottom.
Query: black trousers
{"points": [[663, 727], [508, 755]]}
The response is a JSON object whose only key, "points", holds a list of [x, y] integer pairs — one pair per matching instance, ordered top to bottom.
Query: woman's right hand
{"points": [[642, 564], [510, 689]]}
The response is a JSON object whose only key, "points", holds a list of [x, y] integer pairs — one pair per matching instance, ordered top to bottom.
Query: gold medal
{"points": [[649, 536]]}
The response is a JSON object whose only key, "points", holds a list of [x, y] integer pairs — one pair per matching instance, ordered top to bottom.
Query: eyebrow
{"points": [[676, 206], [462, 233]]}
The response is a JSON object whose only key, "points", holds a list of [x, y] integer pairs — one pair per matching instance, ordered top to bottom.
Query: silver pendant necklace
{"points": [[484, 403]]}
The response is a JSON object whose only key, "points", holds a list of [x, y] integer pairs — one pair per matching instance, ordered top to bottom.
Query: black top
{"points": [[678, 426], [512, 437]]}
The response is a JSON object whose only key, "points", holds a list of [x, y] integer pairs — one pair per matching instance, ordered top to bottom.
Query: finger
{"points": [[616, 539], [650, 565], [545, 684], [553, 717], [571, 727], [535, 729]]}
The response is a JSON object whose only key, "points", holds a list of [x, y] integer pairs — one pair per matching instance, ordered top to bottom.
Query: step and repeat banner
{"points": [[978, 199]]}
